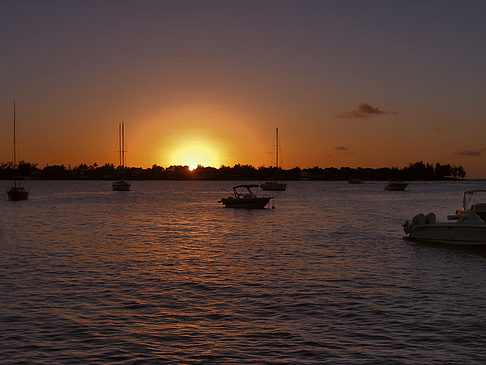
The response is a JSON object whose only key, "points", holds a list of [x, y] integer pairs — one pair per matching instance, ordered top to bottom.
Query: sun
{"points": [[194, 152]]}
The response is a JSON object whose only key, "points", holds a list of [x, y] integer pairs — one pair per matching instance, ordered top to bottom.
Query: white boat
{"points": [[121, 185], [274, 185], [396, 185], [16, 191], [244, 197], [466, 227]]}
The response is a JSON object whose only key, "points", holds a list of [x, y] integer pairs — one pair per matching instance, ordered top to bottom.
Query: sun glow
{"points": [[193, 153]]}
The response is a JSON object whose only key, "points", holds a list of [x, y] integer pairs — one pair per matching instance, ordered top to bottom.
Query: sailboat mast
{"points": [[14, 144], [119, 144], [123, 144], [276, 146]]}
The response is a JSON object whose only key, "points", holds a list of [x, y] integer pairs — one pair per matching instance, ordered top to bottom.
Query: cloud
{"points": [[363, 111], [343, 149], [470, 153]]}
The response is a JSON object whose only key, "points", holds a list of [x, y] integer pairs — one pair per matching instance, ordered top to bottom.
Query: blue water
{"points": [[164, 274]]}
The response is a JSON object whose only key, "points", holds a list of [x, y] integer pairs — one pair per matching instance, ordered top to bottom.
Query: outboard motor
{"points": [[430, 218], [419, 219], [407, 227]]}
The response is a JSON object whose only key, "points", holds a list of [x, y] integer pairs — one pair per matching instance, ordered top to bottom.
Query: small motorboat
{"points": [[355, 181], [396, 185], [244, 197], [466, 227]]}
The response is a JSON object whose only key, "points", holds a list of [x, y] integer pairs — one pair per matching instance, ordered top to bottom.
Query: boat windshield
{"points": [[244, 191], [472, 198]]}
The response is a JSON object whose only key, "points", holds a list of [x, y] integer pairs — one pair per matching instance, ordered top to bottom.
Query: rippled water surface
{"points": [[163, 274]]}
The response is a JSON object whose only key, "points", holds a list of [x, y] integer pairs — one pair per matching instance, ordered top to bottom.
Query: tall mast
{"points": [[123, 144], [14, 145], [119, 145], [276, 145]]}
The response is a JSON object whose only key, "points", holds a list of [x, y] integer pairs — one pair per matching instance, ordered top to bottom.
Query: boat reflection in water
{"points": [[244, 197], [468, 228]]}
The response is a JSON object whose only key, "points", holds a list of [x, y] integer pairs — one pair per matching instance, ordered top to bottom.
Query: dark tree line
{"points": [[414, 171]]}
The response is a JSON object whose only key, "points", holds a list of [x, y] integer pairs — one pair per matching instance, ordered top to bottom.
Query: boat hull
{"points": [[121, 186], [273, 186], [396, 186], [15, 194], [254, 203], [449, 233]]}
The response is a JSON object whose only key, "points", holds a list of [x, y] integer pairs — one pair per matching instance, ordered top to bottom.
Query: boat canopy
{"points": [[248, 186]]}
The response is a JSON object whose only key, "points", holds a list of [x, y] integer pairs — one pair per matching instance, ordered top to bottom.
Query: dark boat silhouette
{"points": [[244, 197]]}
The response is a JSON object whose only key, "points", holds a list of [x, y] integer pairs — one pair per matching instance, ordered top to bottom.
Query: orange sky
{"points": [[208, 83]]}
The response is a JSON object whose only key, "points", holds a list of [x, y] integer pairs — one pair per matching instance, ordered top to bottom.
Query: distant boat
{"points": [[355, 181], [121, 185], [274, 185], [396, 185], [16, 191], [245, 198]]}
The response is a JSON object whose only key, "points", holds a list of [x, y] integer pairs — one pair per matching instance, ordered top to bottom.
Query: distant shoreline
{"points": [[418, 171]]}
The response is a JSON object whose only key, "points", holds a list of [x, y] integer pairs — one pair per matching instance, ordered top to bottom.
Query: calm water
{"points": [[163, 274]]}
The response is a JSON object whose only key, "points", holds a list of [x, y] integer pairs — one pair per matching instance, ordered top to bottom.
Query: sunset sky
{"points": [[348, 83]]}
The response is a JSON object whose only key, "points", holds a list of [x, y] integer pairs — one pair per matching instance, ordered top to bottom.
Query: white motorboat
{"points": [[121, 185], [275, 185], [396, 185], [244, 197], [466, 227]]}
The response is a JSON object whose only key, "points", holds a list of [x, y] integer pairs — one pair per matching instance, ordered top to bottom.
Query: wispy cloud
{"points": [[363, 111], [343, 149], [470, 153]]}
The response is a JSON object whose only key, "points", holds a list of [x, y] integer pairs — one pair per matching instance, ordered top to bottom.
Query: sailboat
{"points": [[121, 185], [274, 185], [16, 191]]}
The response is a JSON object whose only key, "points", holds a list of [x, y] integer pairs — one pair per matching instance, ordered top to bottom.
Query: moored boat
{"points": [[121, 185], [275, 185], [396, 185], [16, 191], [244, 197], [466, 227]]}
